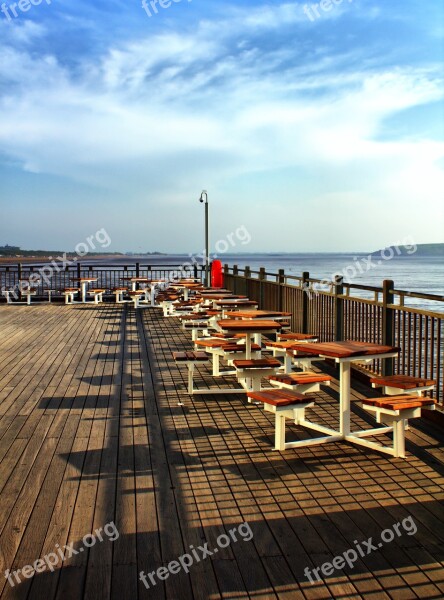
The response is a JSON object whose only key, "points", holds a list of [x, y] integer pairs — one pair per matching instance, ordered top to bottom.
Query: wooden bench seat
{"points": [[97, 293], [119, 293], [69, 294], [135, 297], [194, 316], [229, 336], [297, 337], [211, 343], [282, 345], [233, 347], [293, 352], [190, 356], [302, 360], [257, 363], [250, 372], [302, 382], [397, 384], [401, 402], [285, 405], [396, 410]]}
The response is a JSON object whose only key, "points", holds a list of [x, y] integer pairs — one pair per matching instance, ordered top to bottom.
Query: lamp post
{"points": [[207, 249]]}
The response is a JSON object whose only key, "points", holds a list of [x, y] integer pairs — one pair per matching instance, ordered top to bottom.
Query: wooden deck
{"points": [[95, 427]]}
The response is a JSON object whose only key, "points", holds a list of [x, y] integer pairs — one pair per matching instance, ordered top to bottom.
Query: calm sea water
{"points": [[409, 272]]}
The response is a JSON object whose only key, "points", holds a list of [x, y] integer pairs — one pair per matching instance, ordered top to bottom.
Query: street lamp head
{"points": [[204, 193]]}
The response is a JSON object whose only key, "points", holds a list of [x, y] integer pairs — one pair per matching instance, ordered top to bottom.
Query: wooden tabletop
{"points": [[257, 314], [248, 326], [347, 349]]}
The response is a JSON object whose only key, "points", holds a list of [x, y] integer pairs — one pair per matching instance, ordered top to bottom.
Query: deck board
{"points": [[96, 427]]}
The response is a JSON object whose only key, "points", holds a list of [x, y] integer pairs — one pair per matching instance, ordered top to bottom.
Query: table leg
{"points": [[83, 292], [185, 294], [248, 346], [344, 397]]}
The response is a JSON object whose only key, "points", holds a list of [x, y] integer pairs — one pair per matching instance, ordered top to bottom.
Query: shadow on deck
{"points": [[96, 428]]}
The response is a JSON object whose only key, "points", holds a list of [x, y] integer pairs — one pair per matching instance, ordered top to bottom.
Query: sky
{"points": [[316, 128]]}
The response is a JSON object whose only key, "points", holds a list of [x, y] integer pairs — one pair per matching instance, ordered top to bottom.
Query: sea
{"points": [[410, 272]]}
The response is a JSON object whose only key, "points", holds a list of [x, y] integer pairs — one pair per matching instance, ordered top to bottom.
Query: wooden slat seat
{"points": [[96, 291], [69, 294], [193, 316], [195, 324], [229, 336], [298, 337], [211, 343], [285, 345], [240, 347], [190, 356], [257, 363], [301, 378], [302, 382], [402, 382], [278, 397], [401, 402], [285, 405], [397, 410]]}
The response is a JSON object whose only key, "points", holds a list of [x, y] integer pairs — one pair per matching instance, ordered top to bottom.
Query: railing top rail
{"points": [[102, 267], [347, 286], [418, 295]]}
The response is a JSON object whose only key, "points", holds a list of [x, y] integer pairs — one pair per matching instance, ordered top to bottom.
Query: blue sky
{"points": [[317, 133]]}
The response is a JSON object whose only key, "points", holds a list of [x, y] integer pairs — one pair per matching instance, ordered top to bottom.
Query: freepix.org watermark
{"points": [[151, 7], [14, 9], [312, 10], [60, 263], [363, 265], [363, 549], [53, 559], [186, 561]]}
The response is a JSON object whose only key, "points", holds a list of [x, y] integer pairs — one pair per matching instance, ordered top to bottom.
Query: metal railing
{"points": [[56, 277], [336, 313]]}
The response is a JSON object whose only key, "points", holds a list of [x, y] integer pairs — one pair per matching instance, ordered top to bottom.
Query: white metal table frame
{"points": [[83, 281], [345, 433]]}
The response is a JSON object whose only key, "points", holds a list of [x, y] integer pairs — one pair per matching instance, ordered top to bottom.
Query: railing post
{"points": [[137, 269], [195, 272], [19, 275], [235, 276], [262, 278], [247, 281], [281, 282], [79, 295], [305, 299], [339, 308], [388, 329]]}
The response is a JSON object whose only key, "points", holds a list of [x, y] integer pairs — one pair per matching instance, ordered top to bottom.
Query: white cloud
{"points": [[165, 112]]}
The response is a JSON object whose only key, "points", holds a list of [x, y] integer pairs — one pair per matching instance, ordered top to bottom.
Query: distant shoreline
{"points": [[5, 260]]}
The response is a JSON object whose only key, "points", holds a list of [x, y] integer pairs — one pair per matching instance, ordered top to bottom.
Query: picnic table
{"points": [[83, 285], [250, 328], [344, 354]]}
